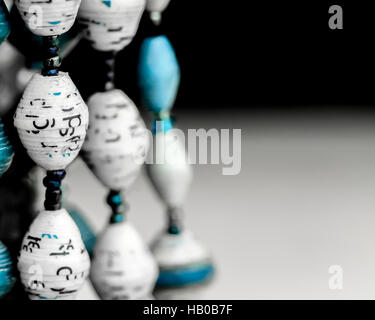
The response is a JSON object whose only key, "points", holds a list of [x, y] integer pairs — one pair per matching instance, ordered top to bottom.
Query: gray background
{"points": [[303, 201]]}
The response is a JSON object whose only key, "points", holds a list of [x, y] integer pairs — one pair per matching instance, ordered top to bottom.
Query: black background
{"points": [[257, 53]]}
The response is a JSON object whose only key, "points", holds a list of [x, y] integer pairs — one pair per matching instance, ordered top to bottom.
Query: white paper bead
{"points": [[157, 5], [48, 18], [110, 25], [52, 120], [117, 141], [171, 178], [172, 251], [53, 261], [122, 267]]}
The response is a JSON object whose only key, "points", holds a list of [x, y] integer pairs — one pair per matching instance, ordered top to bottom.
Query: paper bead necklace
{"points": [[51, 120], [115, 149], [182, 259]]}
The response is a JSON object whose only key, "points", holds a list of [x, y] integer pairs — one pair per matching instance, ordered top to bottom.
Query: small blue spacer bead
{"points": [[53, 72], [56, 184], [116, 199], [118, 218]]}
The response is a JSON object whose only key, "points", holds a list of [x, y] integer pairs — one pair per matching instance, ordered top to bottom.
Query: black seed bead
{"points": [[53, 51], [52, 60], [50, 73], [57, 174], [51, 184], [53, 192], [53, 195], [52, 207], [175, 225]]}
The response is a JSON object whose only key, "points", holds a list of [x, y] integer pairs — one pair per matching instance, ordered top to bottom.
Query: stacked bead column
{"points": [[52, 120], [115, 149], [6, 151], [6, 156], [182, 259]]}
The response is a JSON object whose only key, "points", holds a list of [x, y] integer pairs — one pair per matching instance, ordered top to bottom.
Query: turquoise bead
{"points": [[4, 22], [158, 74], [6, 151], [6, 276]]}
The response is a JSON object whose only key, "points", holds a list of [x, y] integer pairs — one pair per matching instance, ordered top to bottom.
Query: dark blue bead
{"points": [[53, 72]]}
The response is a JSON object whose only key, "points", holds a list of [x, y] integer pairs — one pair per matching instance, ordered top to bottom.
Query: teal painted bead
{"points": [[4, 22], [158, 74], [6, 151], [6, 276], [185, 276]]}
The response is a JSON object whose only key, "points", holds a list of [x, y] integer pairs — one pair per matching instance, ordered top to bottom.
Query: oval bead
{"points": [[157, 5], [48, 18], [110, 25], [158, 74], [52, 121], [117, 141], [172, 177], [182, 260], [53, 262], [123, 267]]}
